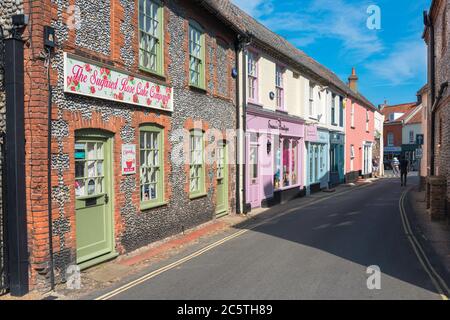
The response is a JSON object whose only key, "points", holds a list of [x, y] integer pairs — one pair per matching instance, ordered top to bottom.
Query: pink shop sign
{"points": [[88, 79], [311, 133]]}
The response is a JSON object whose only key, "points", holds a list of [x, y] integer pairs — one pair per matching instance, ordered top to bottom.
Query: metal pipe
{"points": [[244, 120], [238, 121], [15, 165]]}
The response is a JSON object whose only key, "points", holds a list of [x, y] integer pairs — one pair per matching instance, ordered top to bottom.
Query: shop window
{"points": [[151, 36], [196, 55], [252, 76], [279, 89], [277, 162], [294, 162], [311, 163], [197, 164], [286, 164], [151, 165], [89, 169]]}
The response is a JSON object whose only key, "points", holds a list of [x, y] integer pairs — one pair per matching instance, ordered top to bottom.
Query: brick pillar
{"points": [[438, 197]]}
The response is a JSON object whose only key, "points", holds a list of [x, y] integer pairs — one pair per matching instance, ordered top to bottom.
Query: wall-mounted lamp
{"points": [[49, 37], [234, 73], [271, 95], [269, 146]]}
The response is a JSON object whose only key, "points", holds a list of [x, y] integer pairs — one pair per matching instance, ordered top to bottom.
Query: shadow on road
{"points": [[362, 226]]}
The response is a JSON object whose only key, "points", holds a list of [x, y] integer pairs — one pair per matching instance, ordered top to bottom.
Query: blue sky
{"points": [[390, 62]]}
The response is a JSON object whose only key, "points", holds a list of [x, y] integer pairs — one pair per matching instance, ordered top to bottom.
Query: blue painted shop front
{"points": [[337, 160], [318, 162]]}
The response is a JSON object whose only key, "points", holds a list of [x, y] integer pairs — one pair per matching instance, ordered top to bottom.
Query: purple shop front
{"points": [[275, 149]]}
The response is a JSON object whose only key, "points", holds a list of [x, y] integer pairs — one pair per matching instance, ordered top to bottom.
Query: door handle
{"points": [[106, 199]]}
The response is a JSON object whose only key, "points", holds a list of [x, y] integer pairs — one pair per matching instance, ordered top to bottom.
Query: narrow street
{"points": [[319, 251]]}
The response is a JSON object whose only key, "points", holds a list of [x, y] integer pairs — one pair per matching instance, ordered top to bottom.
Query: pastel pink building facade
{"points": [[360, 132]]}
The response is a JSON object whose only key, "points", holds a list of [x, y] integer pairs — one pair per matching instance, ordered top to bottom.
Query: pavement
{"points": [[319, 247]]}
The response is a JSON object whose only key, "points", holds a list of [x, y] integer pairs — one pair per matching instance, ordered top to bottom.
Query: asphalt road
{"points": [[318, 252]]}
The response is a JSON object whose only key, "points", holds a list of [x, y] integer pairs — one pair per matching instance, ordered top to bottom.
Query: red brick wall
{"points": [[36, 96], [396, 129]]}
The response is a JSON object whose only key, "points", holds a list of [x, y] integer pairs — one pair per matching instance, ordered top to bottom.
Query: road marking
{"points": [[175, 264], [436, 279]]}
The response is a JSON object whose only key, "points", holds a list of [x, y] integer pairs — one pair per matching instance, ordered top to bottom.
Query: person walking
{"points": [[395, 163], [404, 166], [375, 167]]}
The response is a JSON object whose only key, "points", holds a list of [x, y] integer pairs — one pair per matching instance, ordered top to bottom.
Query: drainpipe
{"points": [[245, 42], [432, 79], [238, 127], [15, 161]]}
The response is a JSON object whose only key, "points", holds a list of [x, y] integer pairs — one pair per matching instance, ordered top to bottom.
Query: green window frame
{"points": [[151, 35], [196, 55], [151, 150], [196, 164]]}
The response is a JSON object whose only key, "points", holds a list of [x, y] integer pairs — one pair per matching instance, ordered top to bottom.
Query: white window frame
{"points": [[311, 99], [352, 115], [390, 139]]}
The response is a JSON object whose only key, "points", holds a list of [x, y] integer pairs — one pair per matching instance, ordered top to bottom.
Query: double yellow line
{"points": [[155, 273], [437, 280]]}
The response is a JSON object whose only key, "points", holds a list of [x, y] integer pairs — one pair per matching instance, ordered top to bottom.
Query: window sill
{"points": [[153, 73], [197, 88], [255, 103], [281, 110], [198, 195], [148, 206]]}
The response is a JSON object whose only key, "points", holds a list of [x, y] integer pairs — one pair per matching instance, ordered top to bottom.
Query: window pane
{"points": [[91, 150], [100, 168], [79, 169], [91, 169], [79, 188]]}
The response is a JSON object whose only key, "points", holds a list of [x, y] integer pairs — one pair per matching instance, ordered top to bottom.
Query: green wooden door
{"points": [[222, 179], [93, 191]]}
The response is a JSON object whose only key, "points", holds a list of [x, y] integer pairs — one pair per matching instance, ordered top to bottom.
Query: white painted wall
{"points": [[416, 128]]}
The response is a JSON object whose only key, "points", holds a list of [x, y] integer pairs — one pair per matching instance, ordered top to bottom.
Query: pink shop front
{"points": [[274, 150]]}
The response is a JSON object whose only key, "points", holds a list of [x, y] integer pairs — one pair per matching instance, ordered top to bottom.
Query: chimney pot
{"points": [[353, 81]]}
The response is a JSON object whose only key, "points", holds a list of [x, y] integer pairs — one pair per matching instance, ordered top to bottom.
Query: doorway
{"points": [[222, 178], [93, 197]]}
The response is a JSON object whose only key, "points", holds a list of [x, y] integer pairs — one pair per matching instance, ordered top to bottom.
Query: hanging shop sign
{"points": [[88, 79], [128, 159]]}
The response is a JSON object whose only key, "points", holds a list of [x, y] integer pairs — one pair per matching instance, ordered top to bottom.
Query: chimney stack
{"points": [[353, 81]]}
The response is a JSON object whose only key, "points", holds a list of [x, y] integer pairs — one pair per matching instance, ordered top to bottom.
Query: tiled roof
{"points": [[243, 22], [406, 108]]}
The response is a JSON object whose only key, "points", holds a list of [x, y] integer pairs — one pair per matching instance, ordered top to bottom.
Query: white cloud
{"points": [[321, 19], [407, 61]]}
